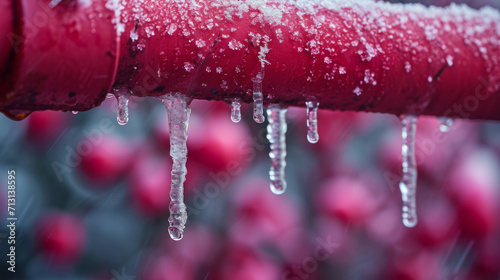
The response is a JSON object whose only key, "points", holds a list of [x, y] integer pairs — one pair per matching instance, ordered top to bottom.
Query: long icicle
{"points": [[178, 119], [276, 134], [408, 184]]}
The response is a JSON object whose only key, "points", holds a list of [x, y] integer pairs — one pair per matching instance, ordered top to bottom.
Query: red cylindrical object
{"points": [[64, 56], [370, 56]]}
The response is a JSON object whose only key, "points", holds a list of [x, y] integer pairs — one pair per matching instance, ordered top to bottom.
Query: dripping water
{"points": [[122, 97], [258, 99], [235, 111], [74, 112], [178, 119], [312, 121], [445, 124], [276, 134], [408, 184]]}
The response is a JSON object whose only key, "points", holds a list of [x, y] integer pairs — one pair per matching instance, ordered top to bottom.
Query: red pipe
{"points": [[62, 56], [377, 57]]}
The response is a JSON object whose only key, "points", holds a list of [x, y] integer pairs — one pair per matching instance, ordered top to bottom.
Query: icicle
{"points": [[122, 97], [258, 99], [235, 111], [74, 112], [178, 119], [312, 121], [445, 124], [276, 131], [408, 184]]}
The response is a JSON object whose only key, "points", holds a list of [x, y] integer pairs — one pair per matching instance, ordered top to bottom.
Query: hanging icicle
{"points": [[122, 97], [258, 99], [236, 111], [178, 119], [312, 121], [276, 134], [408, 184]]}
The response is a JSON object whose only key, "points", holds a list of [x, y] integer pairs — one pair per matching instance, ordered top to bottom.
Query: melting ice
{"points": [[178, 119], [312, 121], [276, 134], [408, 184]]}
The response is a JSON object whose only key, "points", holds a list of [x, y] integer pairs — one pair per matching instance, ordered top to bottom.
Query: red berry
{"points": [[44, 127], [107, 159], [150, 185], [473, 190], [346, 199], [260, 215], [436, 224], [61, 236]]}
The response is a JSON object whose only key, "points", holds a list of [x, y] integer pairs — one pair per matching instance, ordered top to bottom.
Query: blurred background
{"points": [[92, 197]]}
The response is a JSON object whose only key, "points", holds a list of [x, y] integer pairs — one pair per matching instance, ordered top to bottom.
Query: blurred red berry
{"points": [[44, 127], [216, 142], [108, 158], [150, 185], [473, 189], [346, 199], [259, 215], [436, 223], [61, 236], [243, 264]]}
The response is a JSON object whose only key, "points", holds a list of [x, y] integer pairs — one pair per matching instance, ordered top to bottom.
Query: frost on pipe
{"points": [[359, 55]]}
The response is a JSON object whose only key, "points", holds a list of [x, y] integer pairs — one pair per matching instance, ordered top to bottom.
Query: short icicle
{"points": [[122, 97], [258, 99], [236, 111], [178, 119], [312, 121], [445, 124], [276, 134], [408, 184]]}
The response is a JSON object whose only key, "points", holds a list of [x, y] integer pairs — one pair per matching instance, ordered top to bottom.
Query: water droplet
{"points": [[122, 96], [258, 99], [236, 111], [74, 112], [178, 119], [312, 121], [445, 124], [276, 134], [408, 184]]}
